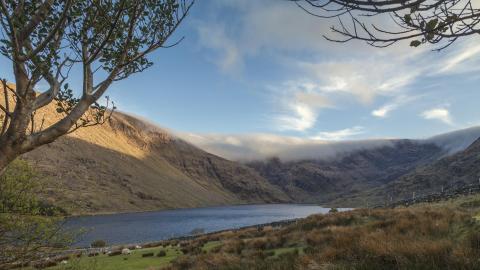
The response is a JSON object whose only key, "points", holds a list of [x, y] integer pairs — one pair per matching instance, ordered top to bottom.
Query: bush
{"points": [[333, 210], [26, 224], [474, 241], [98, 244], [233, 246], [115, 253], [161, 253], [269, 253], [93, 254], [150, 254], [44, 264]]}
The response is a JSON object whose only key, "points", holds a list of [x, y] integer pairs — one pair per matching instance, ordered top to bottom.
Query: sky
{"points": [[263, 68]]}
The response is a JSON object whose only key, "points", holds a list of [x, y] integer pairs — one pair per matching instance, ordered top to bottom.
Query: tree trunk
{"points": [[11, 142], [7, 155]]}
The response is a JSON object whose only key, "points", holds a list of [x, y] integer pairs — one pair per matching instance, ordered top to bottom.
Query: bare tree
{"points": [[439, 22], [109, 39]]}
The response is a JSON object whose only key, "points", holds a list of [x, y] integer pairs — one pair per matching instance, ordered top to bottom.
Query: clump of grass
{"points": [[98, 244]]}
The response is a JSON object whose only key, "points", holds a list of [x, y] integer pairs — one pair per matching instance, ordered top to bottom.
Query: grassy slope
{"points": [[131, 165], [439, 236]]}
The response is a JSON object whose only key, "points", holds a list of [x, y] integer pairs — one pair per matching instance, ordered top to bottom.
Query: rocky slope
{"points": [[131, 165], [450, 172], [324, 180]]}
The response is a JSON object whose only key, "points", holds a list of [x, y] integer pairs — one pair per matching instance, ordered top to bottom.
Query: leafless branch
{"points": [[419, 21]]}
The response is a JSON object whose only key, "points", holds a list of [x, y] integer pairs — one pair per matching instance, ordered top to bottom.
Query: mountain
{"points": [[128, 164], [377, 172], [447, 173], [323, 180]]}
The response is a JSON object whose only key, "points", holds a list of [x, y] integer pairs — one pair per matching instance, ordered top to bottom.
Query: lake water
{"points": [[153, 226]]}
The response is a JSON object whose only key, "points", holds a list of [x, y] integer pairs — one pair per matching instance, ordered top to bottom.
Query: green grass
{"points": [[211, 245], [133, 261]]}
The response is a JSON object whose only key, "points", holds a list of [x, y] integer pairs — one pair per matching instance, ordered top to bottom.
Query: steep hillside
{"points": [[128, 164], [447, 173], [324, 180]]}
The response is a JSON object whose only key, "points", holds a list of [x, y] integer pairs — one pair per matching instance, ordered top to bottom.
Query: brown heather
{"points": [[405, 238]]}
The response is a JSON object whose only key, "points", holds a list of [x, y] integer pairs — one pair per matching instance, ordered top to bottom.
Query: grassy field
{"points": [[443, 235], [133, 261]]}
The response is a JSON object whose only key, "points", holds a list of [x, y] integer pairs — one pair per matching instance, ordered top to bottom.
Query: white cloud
{"points": [[229, 57], [463, 60], [324, 75], [363, 78], [300, 104], [386, 109], [383, 111], [441, 114], [304, 118], [339, 134], [261, 146]]}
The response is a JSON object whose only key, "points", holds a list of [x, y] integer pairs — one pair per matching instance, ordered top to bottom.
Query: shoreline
{"points": [[190, 208], [157, 243]]}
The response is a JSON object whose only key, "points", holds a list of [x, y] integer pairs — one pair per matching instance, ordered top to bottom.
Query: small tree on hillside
{"points": [[439, 22], [109, 39]]}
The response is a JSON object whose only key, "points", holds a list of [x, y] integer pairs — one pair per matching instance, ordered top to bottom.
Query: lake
{"points": [[153, 226]]}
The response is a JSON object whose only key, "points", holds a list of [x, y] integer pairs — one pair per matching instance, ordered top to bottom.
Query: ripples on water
{"points": [[154, 226]]}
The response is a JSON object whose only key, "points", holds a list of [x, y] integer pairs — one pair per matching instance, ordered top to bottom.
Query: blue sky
{"points": [[263, 67]]}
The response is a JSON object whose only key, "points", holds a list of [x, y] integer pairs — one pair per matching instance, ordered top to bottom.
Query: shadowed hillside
{"points": [[130, 165], [450, 172], [324, 180]]}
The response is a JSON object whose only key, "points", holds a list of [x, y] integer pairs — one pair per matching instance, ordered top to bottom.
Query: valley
{"points": [[130, 165]]}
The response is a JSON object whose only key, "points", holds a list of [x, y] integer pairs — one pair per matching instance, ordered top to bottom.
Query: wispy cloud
{"points": [[228, 58], [463, 60], [324, 75], [397, 102], [301, 105], [383, 111], [441, 114], [303, 118], [342, 134]]}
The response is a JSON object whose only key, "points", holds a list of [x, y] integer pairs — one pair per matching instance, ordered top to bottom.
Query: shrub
{"points": [[333, 210], [26, 225], [474, 241], [184, 243], [258, 243], [98, 244], [233, 246], [115, 253], [161, 253], [269, 253], [150, 254], [44, 264]]}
